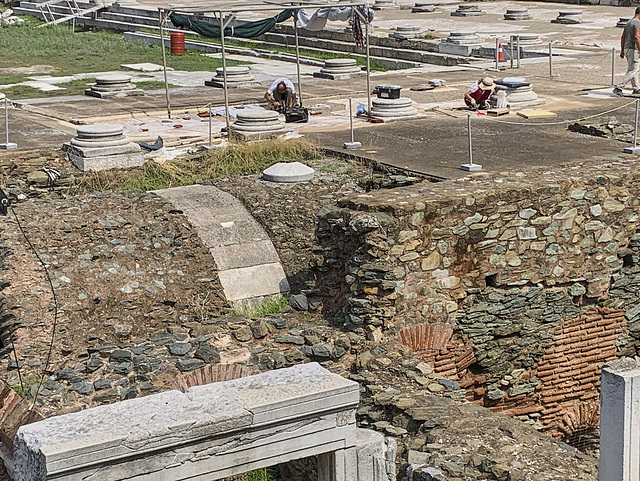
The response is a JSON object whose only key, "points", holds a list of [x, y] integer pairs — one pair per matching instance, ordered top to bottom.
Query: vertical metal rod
{"points": [[295, 29], [366, 29], [511, 47], [518, 51], [497, 54], [550, 59], [164, 61], [613, 66], [224, 72], [209, 110], [6, 119], [351, 119], [635, 126], [469, 131]]}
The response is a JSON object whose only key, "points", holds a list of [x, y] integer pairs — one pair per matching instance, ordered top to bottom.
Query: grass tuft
{"points": [[83, 51], [236, 159], [267, 308], [27, 383], [263, 474]]}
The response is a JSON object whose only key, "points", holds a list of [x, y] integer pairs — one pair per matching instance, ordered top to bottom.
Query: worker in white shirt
{"points": [[281, 95]]}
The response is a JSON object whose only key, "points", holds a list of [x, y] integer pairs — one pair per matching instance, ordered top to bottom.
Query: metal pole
{"points": [[295, 29], [366, 29], [497, 42], [511, 47], [518, 50], [550, 59], [164, 62], [613, 66], [224, 72], [209, 110], [351, 119], [6, 120], [635, 127], [469, 131], [7, 145]]}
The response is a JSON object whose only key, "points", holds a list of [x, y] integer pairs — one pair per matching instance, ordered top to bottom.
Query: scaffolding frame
{"points": [[231, 10]]}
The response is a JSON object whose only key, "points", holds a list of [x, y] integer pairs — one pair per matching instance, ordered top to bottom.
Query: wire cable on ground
{"points": [[560, 122], [55, 312]]}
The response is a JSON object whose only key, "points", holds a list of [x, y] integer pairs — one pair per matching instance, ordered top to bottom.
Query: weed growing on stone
{"points": [[236, 159], [268, 307], [27, 383], [264, 474]]}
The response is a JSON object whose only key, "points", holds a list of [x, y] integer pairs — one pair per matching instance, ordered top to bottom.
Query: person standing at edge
{"points": [[630, 44]]}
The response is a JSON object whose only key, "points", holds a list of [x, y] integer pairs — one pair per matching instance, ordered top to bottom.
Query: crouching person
{"points": [[281, 95], [477, 97]]}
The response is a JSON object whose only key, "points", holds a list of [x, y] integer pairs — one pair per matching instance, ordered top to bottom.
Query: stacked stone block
{"points": [[513, 266]]}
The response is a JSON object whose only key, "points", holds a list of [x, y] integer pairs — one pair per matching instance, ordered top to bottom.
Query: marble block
{"points": [[468, 10], [517, 14], [568, 17], [340, 68], [236, 77], [113, 85], [393, 109], [257, 125], [103, 147], [288, 172]]}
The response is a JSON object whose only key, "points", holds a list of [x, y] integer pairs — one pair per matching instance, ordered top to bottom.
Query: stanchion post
{"points": [[511, 40], [518, 51], [497, 54], [550, 59], [613, 66], [209, 111], [353, 144], [7, 145], [635, 149], [470, 167]]}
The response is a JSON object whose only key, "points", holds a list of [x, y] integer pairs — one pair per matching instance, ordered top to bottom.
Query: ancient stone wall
{"points": [[536, 273]]}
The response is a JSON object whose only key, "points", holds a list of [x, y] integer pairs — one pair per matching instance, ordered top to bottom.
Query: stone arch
{"points": [[436, 345], [210, 374], [582, 415], [581, 427]]}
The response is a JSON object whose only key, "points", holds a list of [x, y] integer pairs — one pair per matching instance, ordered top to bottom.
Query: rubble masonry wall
{"points": [[536, 273]]}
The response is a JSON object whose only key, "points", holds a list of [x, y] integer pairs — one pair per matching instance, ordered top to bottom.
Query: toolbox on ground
{"points": [[388, 91], [296, 114]]}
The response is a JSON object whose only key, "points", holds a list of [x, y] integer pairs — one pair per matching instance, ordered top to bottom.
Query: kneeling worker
{"points": [[478, 94], [281, 95]]}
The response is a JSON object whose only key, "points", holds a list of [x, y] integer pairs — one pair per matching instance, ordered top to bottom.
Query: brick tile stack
{"points": [[432, 344], [570, 369]]}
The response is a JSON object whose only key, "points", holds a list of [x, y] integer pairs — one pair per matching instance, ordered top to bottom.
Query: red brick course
{"points": [[569, 373]]}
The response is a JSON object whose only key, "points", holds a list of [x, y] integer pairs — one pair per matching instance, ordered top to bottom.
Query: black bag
{"points": [[296, 114]]}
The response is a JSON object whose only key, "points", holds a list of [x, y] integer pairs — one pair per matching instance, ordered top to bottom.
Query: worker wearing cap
{"points": [[478, 94], [281, 95]]}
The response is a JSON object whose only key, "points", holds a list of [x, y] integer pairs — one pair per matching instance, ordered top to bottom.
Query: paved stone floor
{"points": [[434, 144]]}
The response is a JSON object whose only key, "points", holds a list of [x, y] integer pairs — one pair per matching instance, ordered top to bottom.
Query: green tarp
{"points": [[246, 30]]}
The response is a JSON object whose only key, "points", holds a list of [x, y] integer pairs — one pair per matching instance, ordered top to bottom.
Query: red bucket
{"points": [[177, 43]]}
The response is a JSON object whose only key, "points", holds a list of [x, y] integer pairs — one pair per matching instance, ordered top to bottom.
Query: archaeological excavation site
{"points": [[319, 241]]}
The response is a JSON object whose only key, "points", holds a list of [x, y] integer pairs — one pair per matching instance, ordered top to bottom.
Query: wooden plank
{"points": [[497, 112], [537, 114]]}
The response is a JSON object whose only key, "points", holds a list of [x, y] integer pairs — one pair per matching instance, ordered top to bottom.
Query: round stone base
{"points": [[288, 172]]}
